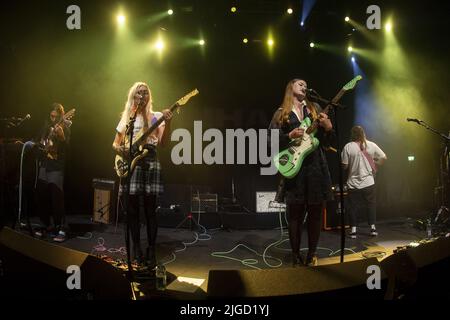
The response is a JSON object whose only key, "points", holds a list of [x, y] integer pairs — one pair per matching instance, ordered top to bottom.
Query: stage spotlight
{"points": [[233, 9], [290, 11], [170, 12], [121, 19], [347, 19], [302, 23], [388, 27], [245, 40], [201, 42], [270, 42], [311, 44], [159, 45], [350, 49], [353, 59], [411, 158]]}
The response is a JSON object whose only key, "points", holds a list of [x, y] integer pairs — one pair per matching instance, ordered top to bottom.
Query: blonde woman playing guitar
{"points": [[145, 180]]}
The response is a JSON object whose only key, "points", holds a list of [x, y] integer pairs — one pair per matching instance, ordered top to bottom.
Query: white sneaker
{"points": [[373, 232], [60, 237]]}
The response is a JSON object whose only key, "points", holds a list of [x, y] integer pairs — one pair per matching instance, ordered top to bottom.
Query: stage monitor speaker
{"points": [[103, 211], [35, 269], [419, 272], [342, 281]]}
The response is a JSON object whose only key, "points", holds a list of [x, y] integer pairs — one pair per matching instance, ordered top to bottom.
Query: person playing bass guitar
{"points": [[145, 180]]}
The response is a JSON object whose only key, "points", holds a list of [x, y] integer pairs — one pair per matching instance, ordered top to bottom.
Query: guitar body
{"points": [[47, 145], [289, 161], [121, 164]]}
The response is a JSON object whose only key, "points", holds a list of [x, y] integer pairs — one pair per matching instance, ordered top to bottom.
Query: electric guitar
{"points": [[47, 146], [289, 161], [122, 163]]}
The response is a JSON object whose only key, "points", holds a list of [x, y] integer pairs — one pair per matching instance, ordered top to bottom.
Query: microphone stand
{"points": [[335, 106], [9, 123], [446, 148], [126, 196]]}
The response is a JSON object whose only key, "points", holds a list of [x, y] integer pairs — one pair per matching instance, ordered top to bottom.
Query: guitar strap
{"points": [[369, 158]]}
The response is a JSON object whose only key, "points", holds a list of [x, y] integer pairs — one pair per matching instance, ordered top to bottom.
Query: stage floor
{"points": [[192, 253]]}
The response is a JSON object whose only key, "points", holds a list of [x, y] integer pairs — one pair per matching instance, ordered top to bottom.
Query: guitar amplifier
{"points": [[204, 202], [265, 202], [103, 210], [332, 212]]}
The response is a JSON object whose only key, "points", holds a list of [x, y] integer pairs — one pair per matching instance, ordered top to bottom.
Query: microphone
{"points": [[312, 93], [141, 99], [21, 120], [413, 120]]}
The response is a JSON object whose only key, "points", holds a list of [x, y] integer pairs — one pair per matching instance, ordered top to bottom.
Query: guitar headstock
{"points": [[352, 83], [186, 98], [69, 114]]}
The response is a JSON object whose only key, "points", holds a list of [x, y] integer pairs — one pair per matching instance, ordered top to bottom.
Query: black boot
{"points": [[150, 257], [297, 260]]}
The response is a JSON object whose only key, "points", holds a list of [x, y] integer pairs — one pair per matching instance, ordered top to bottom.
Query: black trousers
{"points": [[49, 200], [362, 200], [296, 214]]}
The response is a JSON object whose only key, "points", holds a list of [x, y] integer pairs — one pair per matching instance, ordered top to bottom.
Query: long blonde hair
{"points": [[288, 102], [125, 116], [358, 135]]}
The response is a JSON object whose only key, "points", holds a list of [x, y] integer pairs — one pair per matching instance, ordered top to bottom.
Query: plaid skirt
{"points": [[145, 179]]}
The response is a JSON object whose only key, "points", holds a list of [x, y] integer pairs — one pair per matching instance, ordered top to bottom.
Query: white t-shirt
{"points": [[139, 124], [360, 173]]}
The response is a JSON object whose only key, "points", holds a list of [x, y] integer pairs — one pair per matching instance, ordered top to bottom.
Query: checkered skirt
{"points": [[146, 178]]}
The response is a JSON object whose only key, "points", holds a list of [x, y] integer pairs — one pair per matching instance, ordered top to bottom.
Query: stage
{"points": [[209, 114], [193, 253]]}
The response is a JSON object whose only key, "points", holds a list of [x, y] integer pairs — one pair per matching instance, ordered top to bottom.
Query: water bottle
{"points": [[429, 231], [161, 277]]}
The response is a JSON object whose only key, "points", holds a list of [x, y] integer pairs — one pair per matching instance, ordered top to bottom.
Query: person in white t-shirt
{"points": [[360, 158], [145, 181]]}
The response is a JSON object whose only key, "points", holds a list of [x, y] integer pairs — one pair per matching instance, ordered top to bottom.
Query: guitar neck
{"points": [[327, 109], [154, 126]]}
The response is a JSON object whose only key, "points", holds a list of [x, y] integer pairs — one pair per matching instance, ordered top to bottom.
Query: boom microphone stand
{"points": [[335, 106], [443, 173]]}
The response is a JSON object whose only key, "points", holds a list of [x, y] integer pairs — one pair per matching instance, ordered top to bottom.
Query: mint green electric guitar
{"points": [[289, 161]]}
